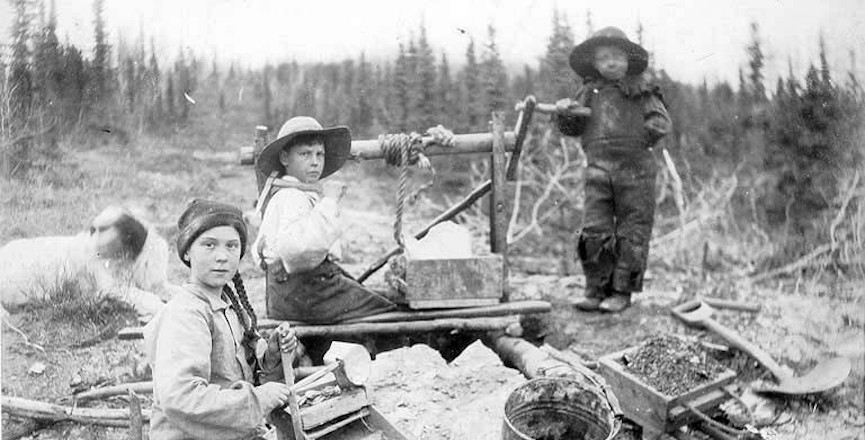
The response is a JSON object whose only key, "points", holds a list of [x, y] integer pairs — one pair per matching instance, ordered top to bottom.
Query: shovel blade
{"points": [[823, 377]]}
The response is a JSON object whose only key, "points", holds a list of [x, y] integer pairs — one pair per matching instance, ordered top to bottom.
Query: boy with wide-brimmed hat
{"points": [[628, 117], [298, 242]]}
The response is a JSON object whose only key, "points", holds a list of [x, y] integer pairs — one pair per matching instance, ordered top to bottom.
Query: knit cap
{"points": [[201, 215]]}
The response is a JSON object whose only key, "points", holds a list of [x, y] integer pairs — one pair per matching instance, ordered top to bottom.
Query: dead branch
{"points": [[553, 181], [678, 191], [843, 210], [801, 263], [23, 335], [115, 390], [33, 409]]}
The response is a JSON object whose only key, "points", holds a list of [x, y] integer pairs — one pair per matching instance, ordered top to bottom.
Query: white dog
{"points": [[119, 256]]}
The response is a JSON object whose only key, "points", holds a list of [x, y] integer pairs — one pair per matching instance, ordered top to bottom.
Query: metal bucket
{"points": [[560, 408]]}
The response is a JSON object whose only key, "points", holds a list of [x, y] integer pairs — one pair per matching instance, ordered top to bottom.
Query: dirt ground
{"points": [[430, 399]]}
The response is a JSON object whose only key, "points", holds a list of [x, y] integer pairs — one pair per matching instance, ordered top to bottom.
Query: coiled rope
{"points": [[405, 150]]}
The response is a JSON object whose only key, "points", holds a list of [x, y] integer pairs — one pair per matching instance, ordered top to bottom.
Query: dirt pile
{"points": [[672, 365], [430, 399]]}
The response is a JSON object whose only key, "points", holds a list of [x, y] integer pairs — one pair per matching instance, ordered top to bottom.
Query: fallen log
{"points": [[470, 143], [503, 309], [346, 330], [529, 359], [147, 386], [115, 390], [42, 411]]}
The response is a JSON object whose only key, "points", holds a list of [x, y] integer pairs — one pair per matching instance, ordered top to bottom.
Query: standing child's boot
{"points": [[593, 299], [616, 302]]}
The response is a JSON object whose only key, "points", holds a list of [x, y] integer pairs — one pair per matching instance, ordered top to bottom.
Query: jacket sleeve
{"points": [[656, 118], [574, 125], [298, 232], [182, 359]]}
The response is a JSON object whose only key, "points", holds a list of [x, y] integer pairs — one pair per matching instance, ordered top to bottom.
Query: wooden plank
{"points": [[498, 204], [446, 280], [452, 303], [336, 330], [348, 401], [640, 402], [680, 415], [336, 425], [383, 425]]}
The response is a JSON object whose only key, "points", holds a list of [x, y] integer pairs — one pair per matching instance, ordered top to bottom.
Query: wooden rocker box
{"points": [[454, 282], [654, 411]]}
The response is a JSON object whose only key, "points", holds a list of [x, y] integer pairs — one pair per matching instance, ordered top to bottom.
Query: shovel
{"points": [[826, 375]]}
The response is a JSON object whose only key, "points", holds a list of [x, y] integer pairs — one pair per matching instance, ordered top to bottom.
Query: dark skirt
{"points": [[324, 295]]}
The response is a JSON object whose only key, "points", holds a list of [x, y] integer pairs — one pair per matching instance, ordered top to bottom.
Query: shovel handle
{"points": [[742, 344], [287, 368]]}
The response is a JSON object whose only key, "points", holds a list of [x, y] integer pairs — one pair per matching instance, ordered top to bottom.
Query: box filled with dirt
{"points": [[656, 380]]}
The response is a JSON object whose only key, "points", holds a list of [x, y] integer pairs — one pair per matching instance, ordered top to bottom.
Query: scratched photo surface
{"points": [[530, 205]]}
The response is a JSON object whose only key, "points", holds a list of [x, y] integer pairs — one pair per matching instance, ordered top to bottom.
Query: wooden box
{"points": [[456, 282], [654, 411]]}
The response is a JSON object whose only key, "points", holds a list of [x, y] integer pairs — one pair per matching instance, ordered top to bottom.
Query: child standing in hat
{"points": [[627, 118], [298, 243], [204, 347]]}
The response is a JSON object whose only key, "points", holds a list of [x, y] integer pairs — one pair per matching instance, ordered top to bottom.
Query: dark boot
{"points": [[616, 302]]}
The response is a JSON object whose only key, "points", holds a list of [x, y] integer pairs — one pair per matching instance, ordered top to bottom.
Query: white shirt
{"points": [[299, 228]]}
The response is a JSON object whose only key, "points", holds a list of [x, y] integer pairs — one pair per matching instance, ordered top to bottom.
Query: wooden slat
{"points": [[454, 282], [503, 309], [348, 401]]}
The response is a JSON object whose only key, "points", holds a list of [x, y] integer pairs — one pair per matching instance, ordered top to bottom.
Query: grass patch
{"points": [[68, 312]]}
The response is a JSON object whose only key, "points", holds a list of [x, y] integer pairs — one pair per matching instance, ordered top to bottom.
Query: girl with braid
{"points": [[214, 377]]}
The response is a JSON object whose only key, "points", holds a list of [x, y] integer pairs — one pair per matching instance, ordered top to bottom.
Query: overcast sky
{"points": [[690, 39]]}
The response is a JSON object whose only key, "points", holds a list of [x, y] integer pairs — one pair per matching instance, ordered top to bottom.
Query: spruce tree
{"points": [[756, 62], [100, 65], [426, 73], [556, 77], [495, 78], [20, 79], [400, 91], [472, 93], [444, 96], [363, 117]]}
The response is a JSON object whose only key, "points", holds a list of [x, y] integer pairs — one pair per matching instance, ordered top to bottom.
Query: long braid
{"points": [[244, 312], [252, 330]]}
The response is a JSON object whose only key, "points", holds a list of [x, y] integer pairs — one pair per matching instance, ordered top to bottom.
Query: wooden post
{"points": [[524, 120], [259, 144], [498, 213]]}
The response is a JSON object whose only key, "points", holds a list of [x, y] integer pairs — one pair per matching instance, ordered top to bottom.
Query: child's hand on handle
{"points": [[570, 107], [282, 338], [273, 395]]}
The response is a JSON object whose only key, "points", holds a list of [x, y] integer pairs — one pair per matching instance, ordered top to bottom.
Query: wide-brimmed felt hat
{"points": [[583, 56], [337, 146], [201, 215]]}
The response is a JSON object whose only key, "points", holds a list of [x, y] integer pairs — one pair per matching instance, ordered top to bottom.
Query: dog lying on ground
{"points": [[119, 256]]}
